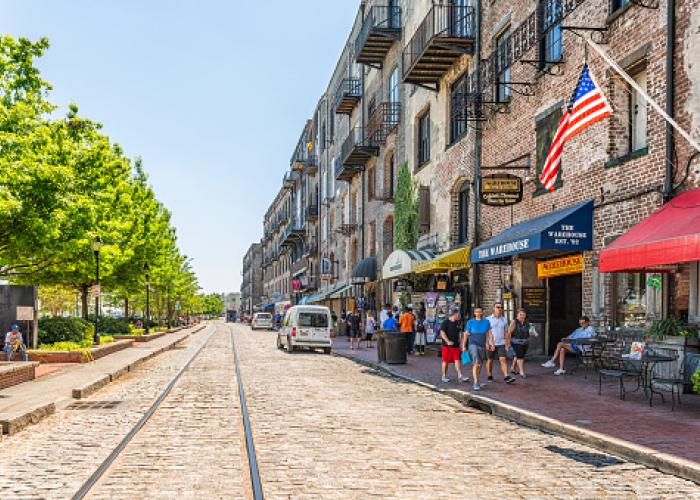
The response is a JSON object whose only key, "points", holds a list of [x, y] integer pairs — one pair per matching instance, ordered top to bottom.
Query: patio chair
{"points": [[620, 370], [676, 382]]}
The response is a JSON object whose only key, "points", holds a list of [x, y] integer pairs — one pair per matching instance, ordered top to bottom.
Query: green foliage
{"points": [[406, 210], [213, 304], [117, 326], [671, 327], [52, 330], [75, 346], [695, 379]]}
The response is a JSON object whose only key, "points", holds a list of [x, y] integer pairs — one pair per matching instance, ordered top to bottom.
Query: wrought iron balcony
{"points": [[380, 29], [446, 34], [348, 95], [383, 120], [357, 150], [311, 164], [288, 181], [311, 211], [347, 228], [292, 233]]}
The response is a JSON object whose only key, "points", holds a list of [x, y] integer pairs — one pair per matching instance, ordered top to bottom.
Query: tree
{"points": [[406, 210], [213, 304]]}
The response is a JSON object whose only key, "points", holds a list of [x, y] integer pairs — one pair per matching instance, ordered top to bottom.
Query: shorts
{"points": [[353, 334], [368, 335], [420, 338], [520, 350], [499, 352], [477, 353], [450, 354]]}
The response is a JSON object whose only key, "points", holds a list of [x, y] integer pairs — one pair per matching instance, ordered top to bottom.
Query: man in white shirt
{"points": [[383, 315], [584, 331], [14, 342], [500, 343]]}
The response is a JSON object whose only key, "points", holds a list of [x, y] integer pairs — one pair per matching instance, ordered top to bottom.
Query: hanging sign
{"points": [[500, 190], [572, 264], [534, 301]]}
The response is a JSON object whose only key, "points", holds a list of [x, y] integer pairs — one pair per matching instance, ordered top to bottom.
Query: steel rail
{"points": [[250, 446], [105, 465]]}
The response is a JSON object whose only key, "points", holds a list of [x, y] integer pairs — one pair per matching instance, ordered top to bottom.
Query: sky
{"points": [[212, 94]]}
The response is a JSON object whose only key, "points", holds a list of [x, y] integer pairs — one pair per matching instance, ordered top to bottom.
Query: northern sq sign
{"points": [[501, 190]]}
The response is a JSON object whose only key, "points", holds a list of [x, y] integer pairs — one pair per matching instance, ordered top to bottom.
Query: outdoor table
{"points": [[583, 354], [648, 362]]}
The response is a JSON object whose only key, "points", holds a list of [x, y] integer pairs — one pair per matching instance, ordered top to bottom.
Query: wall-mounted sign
{"points": [[501, 190], [572, 264], [403, 286], [534, 302], [25, 313]]}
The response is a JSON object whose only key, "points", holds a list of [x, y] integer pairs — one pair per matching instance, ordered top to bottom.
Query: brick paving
{"points": [[575, 400], [326, 427]]}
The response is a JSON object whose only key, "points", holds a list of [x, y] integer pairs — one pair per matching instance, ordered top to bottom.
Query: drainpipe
{"points": [[670, 88], [363, 138], [477, 158]]}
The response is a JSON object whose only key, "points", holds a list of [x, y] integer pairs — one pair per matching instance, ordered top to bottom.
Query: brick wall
{"points": [[16, 373]]}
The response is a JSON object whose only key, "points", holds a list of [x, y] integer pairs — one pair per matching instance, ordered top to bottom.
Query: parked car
{"points": [[262, 320], [306, 327]]}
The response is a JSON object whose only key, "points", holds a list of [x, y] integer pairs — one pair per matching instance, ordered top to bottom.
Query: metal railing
{"points": [[379, 17], [442, 21], [349, 87], [383, 120], [355, 139]]}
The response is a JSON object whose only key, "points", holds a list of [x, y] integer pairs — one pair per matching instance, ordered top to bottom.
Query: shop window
{"points": [[551, 46], [503, 58], [458, 108], [545, 129], [424, 138], [631, 302]]}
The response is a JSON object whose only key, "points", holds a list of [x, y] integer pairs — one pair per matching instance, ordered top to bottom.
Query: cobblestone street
{"points": [[324, 427]]}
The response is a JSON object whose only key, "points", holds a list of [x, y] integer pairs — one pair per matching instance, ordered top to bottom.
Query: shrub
{"points": [[108, 324], [52, 330]]}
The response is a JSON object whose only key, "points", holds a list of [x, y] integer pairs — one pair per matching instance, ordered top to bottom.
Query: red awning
{"points": [[668, 236]]}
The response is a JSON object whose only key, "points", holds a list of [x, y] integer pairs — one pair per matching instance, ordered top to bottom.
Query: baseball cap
{"points": [[13, 326]]}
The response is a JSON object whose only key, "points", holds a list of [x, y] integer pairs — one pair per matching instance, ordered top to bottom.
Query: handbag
{"points": [[466, 358]]}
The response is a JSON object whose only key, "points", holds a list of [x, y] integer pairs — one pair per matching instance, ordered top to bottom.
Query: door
{"points": [[459, 18], [565, 299], [313, 325]]}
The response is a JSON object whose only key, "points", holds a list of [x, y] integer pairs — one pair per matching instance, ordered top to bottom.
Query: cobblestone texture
{"points": [[327, 427]]}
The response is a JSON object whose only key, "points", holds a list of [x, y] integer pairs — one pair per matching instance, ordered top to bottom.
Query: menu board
{"points": [[535, 304]]}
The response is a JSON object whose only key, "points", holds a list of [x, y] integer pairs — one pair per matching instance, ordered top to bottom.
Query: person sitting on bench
{"points": [[584, 331], [14, 342]]}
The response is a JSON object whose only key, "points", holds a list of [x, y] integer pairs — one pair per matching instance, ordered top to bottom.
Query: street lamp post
{"points": [[96, 246], [148, 313]]}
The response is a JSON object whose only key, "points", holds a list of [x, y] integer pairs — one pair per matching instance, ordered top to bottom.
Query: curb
{"points": [[16, 423], [643, 455]]}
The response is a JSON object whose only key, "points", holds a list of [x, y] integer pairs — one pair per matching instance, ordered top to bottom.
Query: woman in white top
{"points": [[370, 327]]}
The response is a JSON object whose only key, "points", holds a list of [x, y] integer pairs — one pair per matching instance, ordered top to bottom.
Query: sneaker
{"points": [[548, 364], [560, 372], [490, 378], [445, 379], [463, 379], [509, 380], [476, 387]]}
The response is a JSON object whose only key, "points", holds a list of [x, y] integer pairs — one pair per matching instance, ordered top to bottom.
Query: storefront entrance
{"points": [[565, 299]]}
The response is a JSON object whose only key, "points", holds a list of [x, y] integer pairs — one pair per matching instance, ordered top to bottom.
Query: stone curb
{"points": [[16, 423], [643, 455]]}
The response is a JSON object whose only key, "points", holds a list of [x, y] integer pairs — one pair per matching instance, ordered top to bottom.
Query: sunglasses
{"points": [[498, 307]]}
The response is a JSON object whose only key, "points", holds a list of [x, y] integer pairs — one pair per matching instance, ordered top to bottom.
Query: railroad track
{"points": [[101, 471]]}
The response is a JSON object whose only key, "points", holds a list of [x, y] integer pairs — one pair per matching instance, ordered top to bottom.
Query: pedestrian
{"points": [[384, 314], [334, 319], [353, 321], [407, 321], [390, 324], [370, 328], [420, 330], [584, 331], [520, 332], [478, 334], [14, 342], [500, 344], [451, 353]]}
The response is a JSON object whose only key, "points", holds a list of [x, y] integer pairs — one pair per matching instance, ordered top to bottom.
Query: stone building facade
{"points": [[252, 282]]}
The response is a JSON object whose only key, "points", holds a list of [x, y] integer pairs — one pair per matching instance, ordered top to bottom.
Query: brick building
{"points": [[252, 283]]}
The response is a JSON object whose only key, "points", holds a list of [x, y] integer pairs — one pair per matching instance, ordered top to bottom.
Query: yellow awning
{"points": [[449, 261]]}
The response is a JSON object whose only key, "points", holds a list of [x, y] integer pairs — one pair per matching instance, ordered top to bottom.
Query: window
{"points": [[618, 4], [394, 14], [459, 17], [551, 41], [504, 57], [394, 86], [458, 108], [638, 114], [545, 130], [424, 138], [389, 178], [370, 183], [424, 210], [463, 213], [388, 236], [372, 239], [630, 300], [313, 320]]}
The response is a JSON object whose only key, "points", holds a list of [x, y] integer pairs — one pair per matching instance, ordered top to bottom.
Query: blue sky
{"points": [[212, 94]]}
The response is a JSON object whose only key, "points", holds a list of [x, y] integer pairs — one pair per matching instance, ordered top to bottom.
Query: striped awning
{"points": [[403, 262]]}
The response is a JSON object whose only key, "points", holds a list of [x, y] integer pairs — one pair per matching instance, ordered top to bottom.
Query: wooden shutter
{"points": [[424, 209]]}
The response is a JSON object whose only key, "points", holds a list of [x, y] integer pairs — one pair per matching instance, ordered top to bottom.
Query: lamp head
{"points": [[97, 244]]}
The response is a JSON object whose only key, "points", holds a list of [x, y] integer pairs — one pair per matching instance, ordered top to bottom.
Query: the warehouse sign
{"points": [[501, 190], [572, 264]]}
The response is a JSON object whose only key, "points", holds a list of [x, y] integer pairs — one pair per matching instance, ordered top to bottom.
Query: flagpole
{"points": [[641, 92]]}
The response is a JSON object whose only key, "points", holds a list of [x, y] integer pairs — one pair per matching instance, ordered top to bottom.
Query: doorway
{"points": [[565, 299]]}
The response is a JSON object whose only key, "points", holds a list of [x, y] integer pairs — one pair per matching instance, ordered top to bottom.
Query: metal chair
{"points": [[620, 371], [676, 382]]}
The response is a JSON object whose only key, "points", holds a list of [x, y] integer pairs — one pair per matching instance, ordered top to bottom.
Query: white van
{"points": [[261, 320], [306, 326]]}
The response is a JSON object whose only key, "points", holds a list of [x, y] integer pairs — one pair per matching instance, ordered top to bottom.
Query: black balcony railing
{"points": [[381, 27], [446, 34], [348, 95], [383, 120], [357, 149], [311, 164], [288, 180], [311, 211]]}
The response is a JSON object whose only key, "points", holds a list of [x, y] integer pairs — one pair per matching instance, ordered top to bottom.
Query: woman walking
{"points": [[370, 328], [420, 330], [520, 333]]}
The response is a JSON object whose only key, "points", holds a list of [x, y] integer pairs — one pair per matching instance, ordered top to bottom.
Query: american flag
{"points": [[586, 106]]}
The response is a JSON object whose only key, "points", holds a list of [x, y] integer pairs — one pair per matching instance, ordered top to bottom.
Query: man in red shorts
{"points": [[451, 352]]}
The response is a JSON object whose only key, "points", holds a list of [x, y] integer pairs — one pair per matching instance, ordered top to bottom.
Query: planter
{"points": [[140, 338], [79, 356], [16, 372]]}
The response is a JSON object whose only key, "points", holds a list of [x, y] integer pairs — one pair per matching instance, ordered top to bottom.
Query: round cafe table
{"points": [[647, 363]]}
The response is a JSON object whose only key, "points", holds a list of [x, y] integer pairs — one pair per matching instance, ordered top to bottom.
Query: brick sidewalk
{"points": [[573, 400]]}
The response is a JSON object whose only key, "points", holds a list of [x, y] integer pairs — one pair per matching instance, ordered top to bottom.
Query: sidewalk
{"points": [[570, 400], [27, 403]]}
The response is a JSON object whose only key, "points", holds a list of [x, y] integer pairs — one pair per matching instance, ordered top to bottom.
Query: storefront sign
{"points": [[501, 190], [572, 264], [403, 286], [535, 304]]}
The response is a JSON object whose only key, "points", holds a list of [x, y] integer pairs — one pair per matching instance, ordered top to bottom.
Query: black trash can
{"points": [[381, 347], [395, 348]]}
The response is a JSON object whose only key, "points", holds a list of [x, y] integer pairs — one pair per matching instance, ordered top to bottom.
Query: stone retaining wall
{"points": [[13, 373]]}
